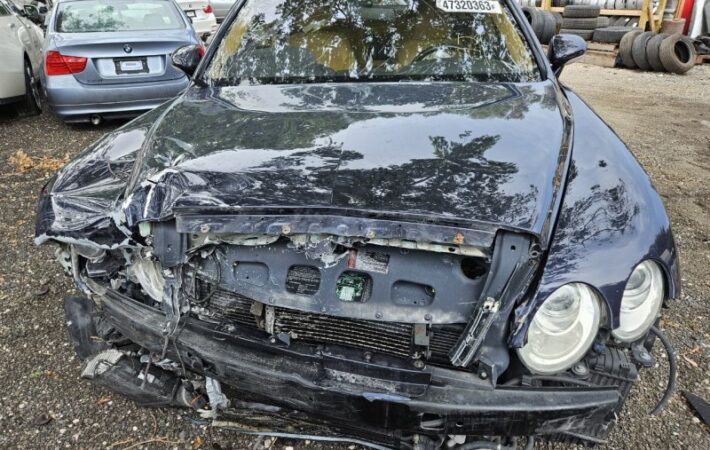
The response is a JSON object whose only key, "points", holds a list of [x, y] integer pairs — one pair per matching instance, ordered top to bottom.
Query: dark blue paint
{"points": [[485, 156], [611, 219]]}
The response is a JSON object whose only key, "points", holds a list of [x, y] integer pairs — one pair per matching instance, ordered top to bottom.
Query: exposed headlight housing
{"points": [[149, 274], [641, 303], [562, 330]]}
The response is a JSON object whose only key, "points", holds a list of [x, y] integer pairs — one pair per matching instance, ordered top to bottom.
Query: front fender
{"points": [[80, 202], [610, 220]]}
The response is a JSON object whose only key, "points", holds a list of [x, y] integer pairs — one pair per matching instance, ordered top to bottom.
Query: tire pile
{"points": [[604, 4], [582, 20], [545, 24], [657, 51]]}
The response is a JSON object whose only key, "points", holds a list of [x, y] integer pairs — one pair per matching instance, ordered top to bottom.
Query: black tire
{"points": [[581, 11], [536, 20], [558, 21], [603, 22], [588, 23], [549, 27], [584, 34], [611, 35], [625, 49], [638, 50], [653, 52], [677, 53], [32, 103]]}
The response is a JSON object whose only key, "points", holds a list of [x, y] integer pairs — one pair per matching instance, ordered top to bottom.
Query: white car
{"points": [[221, 8], [200, 14], [20, 57]]}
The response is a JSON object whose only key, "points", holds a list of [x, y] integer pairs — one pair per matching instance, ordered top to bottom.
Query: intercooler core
{"points": [[387, 338]]}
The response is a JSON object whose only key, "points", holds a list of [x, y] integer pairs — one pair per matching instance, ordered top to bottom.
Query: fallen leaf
{"points": [[21, 162], [42, 290], [697, 349], [690, 361], [104, 399], [42, 419], [198, 442]]}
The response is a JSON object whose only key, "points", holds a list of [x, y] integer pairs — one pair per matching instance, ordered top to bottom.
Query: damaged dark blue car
{"points": [[376, 221]]}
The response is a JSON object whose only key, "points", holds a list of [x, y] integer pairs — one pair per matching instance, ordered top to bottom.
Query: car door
{"points": [[31, 35], [12, 79]]}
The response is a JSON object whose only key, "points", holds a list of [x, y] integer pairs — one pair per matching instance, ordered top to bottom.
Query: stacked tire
{"points": [[581, 20], [544, 23], [612, 34], [657, 51]]}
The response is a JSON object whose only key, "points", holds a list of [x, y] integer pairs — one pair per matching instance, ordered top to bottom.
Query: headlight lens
{"points": [[149, 274], [641, 303], [562, 330]]}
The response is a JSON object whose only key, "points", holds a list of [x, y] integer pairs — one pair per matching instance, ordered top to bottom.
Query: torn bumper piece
{"points": [[355, 395]]}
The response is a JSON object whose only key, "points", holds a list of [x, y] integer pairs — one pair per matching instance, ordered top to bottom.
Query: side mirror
{"points": [[43, 10], [32, 13], [564, 49], [187, 58]]}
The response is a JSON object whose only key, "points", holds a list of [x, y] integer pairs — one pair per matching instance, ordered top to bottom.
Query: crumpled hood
{"points": [[489, 154]]}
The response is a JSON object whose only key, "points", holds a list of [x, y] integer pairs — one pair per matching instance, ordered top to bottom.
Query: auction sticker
{"points": [[469, 6]]}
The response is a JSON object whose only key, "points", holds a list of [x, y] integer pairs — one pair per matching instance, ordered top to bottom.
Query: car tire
{"points": [[581, 11], [536, 20], [602, 22], [587, 23], [549, 27], [584, 34], [612, 35], [626, 47], [638, 50], [653, 52], [677, 53], [32, 102]]}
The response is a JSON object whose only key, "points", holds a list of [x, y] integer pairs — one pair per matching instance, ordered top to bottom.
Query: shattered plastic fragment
{"points": [[101, 363]]}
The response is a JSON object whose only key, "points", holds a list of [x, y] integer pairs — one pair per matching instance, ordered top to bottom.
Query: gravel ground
{"points": [[664, 119]]}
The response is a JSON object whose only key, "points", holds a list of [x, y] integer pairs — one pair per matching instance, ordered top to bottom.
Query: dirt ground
{"points": [[664, 119]]}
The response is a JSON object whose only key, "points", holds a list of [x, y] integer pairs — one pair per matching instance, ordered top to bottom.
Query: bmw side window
{"points": [[3, 10]]}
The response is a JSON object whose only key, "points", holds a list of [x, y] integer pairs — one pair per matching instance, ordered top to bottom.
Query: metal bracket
{"points": [[475, 333]]}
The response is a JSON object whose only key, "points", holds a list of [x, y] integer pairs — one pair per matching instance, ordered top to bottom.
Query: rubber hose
{"points": [[673, 363]]}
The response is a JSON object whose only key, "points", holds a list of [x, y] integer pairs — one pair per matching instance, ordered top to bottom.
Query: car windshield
{"points": [[91, 16], [295, 41]]}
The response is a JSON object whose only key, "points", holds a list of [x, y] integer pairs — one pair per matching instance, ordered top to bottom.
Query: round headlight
{"points": [[641, 303], [562, 330]]}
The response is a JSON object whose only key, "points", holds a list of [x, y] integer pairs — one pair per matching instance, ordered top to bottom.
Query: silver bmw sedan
{"points": [[111, 58]]}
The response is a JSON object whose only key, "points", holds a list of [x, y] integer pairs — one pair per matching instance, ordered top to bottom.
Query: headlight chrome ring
{"points": [[641, 303], [562, 329]]}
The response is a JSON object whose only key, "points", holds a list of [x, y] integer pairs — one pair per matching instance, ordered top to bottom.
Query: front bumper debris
{"points": [[328, 393]]}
